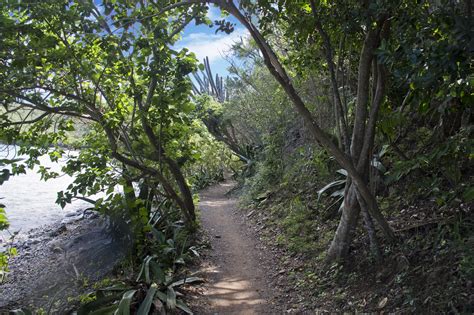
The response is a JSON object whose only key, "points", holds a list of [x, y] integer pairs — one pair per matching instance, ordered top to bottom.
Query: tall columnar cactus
{"points": [[208, 84], [221, 128]]}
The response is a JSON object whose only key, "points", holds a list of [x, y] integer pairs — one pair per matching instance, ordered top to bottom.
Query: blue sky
{"points": [[203, 41]]}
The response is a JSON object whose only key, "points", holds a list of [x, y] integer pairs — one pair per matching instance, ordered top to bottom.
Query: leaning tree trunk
{"points": [[361, 140], [185, 191], [342, 238]]}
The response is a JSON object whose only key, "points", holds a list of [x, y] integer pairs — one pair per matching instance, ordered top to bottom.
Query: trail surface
{"points": [[236, 281]]}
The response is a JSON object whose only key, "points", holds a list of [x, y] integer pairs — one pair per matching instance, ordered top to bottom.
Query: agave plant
{"points": [[337, 186], [338, 193], [156, 283]]}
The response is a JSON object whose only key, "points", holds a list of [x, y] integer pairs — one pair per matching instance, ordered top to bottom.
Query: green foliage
{"points": [[432, 56], [112, 79], [129, 89], [146, 138], [210, 160], [442, 163], [339, 184], [290, 197], [3, 219], [299, 225], [7, 252], [159, 276], [146, 304], [124, 305]]}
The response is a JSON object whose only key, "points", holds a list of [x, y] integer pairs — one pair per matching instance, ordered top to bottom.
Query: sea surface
{"points": [[30, 201]]}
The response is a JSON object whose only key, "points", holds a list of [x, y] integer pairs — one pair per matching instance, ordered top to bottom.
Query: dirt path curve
{"points": [[236, 279]]}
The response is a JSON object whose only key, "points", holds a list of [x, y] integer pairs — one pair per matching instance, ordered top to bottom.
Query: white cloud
{"points": [[211, 45]]}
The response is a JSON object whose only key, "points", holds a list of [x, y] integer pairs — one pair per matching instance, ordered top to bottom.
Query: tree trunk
{"points": [[351, 163], [186, 194], [184, 200], [369, 226], [342, 238]]}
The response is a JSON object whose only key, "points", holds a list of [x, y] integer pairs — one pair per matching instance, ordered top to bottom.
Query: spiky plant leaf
{"points": [[144, 308]]}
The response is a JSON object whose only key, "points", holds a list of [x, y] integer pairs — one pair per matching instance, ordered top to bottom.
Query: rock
{"points": [[72, 214], [90, 214], [69, 220], [61, 229], [32, 242], [57, 249], [52, 256]]}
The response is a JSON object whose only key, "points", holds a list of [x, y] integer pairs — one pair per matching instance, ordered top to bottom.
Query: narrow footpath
{"points": [[236, 282]]}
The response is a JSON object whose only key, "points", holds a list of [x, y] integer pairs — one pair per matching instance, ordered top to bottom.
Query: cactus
{"points": [[213, 86]]}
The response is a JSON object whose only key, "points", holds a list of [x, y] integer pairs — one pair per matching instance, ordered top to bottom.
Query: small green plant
{"points": [[8, 252], [157, 278], [103, 283], [87, 298]]}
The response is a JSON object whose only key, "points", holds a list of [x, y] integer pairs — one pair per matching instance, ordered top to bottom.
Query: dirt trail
{"points": [[236, 279]]}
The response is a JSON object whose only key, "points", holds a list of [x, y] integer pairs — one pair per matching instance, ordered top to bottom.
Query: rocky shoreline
{"points": [[59, 262]]}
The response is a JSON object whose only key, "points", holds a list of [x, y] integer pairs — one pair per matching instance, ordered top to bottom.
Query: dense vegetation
{"points": [[334, 114]]}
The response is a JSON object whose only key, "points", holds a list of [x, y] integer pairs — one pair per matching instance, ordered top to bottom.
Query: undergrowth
{"points": [[429, 270]]}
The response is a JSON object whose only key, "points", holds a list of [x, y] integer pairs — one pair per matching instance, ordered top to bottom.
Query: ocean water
{"points": [[29, 201]]}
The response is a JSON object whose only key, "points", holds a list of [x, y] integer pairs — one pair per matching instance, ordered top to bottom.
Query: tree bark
{"points": [[278, 71], [363, 80], [369, 226], [339, 248]]}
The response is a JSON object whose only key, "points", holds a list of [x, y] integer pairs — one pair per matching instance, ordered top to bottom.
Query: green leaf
{"points": [[9, 161], [342, 172], [4, 175], [336, 183], [128, 189], [468, 194], [3, 220], [160, 237], [13, 251], [145, 269], [158, 274], [186, 281], [116, 287], [161, 296], [170, 298], [97, 304], [180, 304], [124, 305], [144, 308]]}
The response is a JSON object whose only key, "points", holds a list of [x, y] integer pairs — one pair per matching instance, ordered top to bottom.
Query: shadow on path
{"points": [[235, 277]]}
